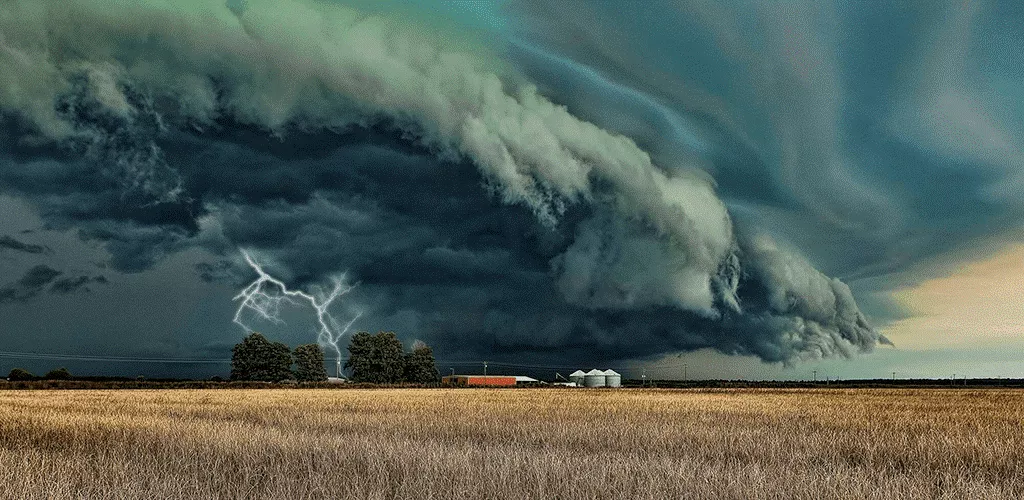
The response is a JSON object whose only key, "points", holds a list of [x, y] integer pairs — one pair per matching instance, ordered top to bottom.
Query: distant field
{"points": [[487, 443]]}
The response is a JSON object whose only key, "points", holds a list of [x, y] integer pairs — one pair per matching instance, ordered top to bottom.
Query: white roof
{"points": [[595, 371], [610, 372], [577, 373], [521, 378]]}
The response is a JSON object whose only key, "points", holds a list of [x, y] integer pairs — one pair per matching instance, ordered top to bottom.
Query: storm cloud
{"points": [[474, 211], [9, 243], [28, 286]]}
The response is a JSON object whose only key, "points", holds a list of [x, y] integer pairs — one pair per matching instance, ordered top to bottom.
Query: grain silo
{"points": [[577, 376], [594, 378], [612, 379]]}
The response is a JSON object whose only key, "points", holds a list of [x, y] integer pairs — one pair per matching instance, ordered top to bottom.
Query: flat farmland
{"points": [[512, 443]]}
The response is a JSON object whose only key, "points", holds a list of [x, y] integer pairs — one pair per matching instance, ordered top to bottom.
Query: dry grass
{"points": [[512, 444]]}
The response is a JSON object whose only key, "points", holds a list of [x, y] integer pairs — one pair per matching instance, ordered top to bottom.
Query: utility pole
{"points": [[485, 368], [893, 376]]}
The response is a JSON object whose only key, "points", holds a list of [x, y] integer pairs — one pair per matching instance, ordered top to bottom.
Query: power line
{"points": [[113, 359], [194, 360]]}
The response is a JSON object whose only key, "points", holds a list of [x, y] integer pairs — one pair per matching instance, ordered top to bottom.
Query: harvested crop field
{"points": [[512, 443]]}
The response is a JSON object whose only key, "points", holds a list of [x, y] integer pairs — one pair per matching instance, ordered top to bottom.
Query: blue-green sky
{"points": [[754, 189]]}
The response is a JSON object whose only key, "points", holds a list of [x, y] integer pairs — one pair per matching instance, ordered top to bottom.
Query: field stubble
{"points": [[486, 443]]}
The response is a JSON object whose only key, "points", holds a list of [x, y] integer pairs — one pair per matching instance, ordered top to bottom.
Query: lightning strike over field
{"points": [[266, 294]]}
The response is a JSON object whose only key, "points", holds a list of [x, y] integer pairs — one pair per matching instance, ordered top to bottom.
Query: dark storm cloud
{"points": [[871, 137], [478, 216], [9, 243], [473, 275], [42, 278], [31, 284], [65, 286]]}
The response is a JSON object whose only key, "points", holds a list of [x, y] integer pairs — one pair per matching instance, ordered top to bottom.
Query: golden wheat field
{"points": [[492, 443]]}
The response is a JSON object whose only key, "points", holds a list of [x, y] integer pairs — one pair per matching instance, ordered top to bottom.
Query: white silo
{"points": [[577, 376], [594, 378], [612, 379]]}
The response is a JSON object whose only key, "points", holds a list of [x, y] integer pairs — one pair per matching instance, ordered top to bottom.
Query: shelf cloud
{"points": [[476, 211]]}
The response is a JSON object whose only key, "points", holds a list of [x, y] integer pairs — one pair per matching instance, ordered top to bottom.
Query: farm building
{"points": [[577, 376], [594, 378], [612, 378], [478, 380], [488, 380]]}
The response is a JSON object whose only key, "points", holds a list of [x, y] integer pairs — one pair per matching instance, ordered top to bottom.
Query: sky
{"points": [[763, 190]]}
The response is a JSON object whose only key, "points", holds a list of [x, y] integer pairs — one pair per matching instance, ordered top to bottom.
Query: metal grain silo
{"points": [[577, 376], [594, 378], [612, 379]]}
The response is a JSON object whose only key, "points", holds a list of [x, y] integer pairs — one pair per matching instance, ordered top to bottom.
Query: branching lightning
{"points": [[265, 296]]}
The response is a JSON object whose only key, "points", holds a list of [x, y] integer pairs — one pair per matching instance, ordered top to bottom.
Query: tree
{"points": [[360, 350], [256, 358], [377, 359], [309, 363], [420, 367], [58, 374], [20, 375]]}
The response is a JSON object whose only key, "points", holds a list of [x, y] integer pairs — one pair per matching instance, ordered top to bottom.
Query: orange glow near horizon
{"points": [[982, 303]]}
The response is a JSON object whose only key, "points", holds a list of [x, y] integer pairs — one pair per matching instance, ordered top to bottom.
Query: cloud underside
{"points": [[480, 214], [9, 243], [45, 279]]}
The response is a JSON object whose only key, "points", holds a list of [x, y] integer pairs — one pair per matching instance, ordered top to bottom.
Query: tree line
{"points": [[373, 358], [22, 375]]}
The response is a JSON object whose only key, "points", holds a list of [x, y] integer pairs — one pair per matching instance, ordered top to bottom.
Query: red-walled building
{"points": [[478, 380]]}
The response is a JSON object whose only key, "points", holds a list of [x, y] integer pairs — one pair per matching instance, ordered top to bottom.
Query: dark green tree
{"points": [[360, 350], [256, 358], [377, 359], [309, 363], [420, 366], [58, 374], [20, 375]]}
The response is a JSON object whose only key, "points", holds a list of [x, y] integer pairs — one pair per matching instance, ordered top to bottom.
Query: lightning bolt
{"points": [[265, 296]]}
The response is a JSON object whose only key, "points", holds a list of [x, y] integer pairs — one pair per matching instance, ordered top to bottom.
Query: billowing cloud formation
{"points": [[331, 139]]}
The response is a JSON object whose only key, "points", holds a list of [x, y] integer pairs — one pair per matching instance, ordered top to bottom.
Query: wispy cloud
{"points": [[9, 243], [43, 278]]}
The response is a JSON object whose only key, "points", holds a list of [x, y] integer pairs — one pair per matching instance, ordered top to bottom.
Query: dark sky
{"points": [[755, 186]]}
